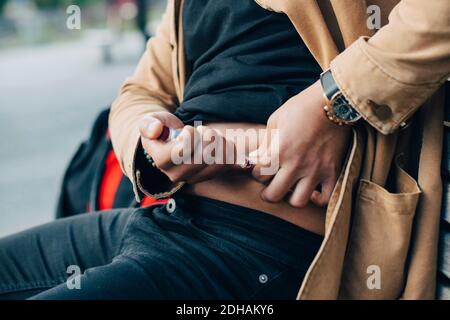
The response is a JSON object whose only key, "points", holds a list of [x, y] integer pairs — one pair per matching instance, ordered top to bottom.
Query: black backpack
{"points": [[80, 186]]}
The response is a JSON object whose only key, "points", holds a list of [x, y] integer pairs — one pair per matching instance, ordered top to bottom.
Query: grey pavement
{"points": [[49, 97]]}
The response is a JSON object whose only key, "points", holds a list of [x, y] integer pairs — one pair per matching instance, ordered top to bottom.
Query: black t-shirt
{"points": [[243, 61]]}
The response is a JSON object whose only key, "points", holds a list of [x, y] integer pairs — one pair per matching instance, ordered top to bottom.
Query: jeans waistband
{"points": [[261, 231]]}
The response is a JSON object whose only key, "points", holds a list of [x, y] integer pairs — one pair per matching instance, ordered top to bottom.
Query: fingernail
{"points": [[146, 122], [151, 127]]}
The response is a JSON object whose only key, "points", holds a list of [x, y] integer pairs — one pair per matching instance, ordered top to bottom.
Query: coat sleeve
{"points": [[388, 76], [150, 89]]}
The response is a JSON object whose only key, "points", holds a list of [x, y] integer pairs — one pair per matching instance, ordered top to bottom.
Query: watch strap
{"points": [[329, 85], [338, 108]]}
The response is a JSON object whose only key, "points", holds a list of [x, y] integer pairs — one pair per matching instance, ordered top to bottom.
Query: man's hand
{"points": [[192, 147], [310, 150]]}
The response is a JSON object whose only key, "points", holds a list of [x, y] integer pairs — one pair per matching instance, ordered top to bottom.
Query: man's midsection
{"points": [[243, 190]]}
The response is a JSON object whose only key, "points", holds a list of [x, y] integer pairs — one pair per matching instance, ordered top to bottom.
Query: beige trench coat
{"points": [[384, 213]]}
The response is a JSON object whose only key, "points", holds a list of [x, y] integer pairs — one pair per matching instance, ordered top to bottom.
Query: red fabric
{"points": [[112, 175], [148, 201]]}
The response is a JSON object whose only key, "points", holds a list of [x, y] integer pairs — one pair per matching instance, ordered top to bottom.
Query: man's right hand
{"points": [[193, 140]]}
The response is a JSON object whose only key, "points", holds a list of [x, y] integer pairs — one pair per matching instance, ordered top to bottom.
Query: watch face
{"points": [[343, 110]]}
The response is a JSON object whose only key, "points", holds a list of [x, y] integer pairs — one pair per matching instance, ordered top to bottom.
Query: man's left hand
{"points": [[310, 151]]}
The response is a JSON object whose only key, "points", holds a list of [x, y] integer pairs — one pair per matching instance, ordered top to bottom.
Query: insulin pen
{"points": [[169, 134]]}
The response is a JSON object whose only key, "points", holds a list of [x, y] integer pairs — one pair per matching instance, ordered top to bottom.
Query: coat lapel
{"points": [[351, 16], [309, 22], [316, 22]]}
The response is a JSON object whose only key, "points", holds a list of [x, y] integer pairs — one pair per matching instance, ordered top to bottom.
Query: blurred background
{"points": [[55, 79], [53, 82]]}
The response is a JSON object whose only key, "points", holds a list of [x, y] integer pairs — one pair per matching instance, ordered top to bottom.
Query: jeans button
{"points": [[171, 206], [263, 278]]}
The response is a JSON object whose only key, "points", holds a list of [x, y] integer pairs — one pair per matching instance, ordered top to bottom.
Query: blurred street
{"points": [[49, 98]]}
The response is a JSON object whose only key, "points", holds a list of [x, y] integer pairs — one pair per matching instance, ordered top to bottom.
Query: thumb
{"points": [[152, 125], [151, 128]]}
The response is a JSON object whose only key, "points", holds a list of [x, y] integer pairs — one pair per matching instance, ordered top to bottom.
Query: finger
{"points": [[168, 119], [151, 126], [188, 144], [192, 146], [212, 146], [217, 149], [184, 150], [161, 152], [168, 154], [220, 156], [258, 156], [262, 161], [184, 172], [206, 173], [202, 175], [261, 178], [279, 186], [303, 191], [321, 198]]}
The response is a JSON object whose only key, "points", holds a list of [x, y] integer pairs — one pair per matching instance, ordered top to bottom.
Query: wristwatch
{"points": [[338, 109]]}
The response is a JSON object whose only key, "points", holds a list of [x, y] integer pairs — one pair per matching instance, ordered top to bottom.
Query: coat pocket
{"points": [[379, 241]]}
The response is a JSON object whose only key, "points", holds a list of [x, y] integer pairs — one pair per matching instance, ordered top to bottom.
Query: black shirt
{"points": [[243, 61]]}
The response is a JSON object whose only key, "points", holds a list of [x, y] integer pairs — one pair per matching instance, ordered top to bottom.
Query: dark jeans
{"points": [[195, 248]]}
